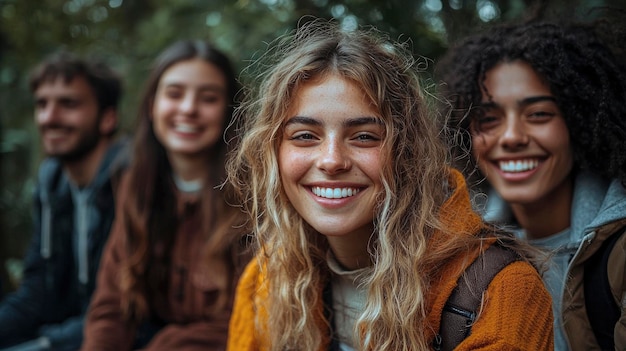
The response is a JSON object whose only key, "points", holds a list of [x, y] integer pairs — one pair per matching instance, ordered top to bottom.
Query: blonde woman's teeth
{"points": [[518, 165], [334, 193]]}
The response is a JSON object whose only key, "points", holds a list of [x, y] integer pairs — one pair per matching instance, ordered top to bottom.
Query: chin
{"points": [[520, 199]]}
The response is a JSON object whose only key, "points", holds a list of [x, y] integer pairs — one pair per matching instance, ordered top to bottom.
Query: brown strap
{"points": [[462, 306]]}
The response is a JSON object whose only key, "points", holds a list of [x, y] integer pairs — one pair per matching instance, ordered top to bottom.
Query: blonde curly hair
{"points": [[414, 180]]}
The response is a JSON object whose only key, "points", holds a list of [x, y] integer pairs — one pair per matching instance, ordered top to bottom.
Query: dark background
{"points": [[128, 34]]}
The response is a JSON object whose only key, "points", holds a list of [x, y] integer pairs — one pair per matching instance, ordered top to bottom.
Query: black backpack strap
{"points": [[602, 310], [460, 311]]}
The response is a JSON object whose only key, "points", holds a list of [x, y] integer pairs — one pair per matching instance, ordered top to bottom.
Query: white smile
{"points": [[186, 128], [515, 166], [334, 193]]}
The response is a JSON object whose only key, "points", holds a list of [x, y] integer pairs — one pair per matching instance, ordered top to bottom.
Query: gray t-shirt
{"points": [[84, 211]]}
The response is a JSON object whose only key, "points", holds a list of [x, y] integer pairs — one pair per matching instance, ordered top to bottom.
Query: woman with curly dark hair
{"points": [[540, 109], [169, 270]]}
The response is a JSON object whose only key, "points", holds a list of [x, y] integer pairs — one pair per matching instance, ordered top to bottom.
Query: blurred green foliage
{"points": [[129, 33]]}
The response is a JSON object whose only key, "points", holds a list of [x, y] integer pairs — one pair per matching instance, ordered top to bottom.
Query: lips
{"points": [[517, 166], [334, 193]]}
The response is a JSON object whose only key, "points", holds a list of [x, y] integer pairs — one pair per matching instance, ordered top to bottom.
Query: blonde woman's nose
{"points": [[333, 157]]}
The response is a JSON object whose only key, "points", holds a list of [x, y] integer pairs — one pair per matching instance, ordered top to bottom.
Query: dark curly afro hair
{"points": [[587, 78]]}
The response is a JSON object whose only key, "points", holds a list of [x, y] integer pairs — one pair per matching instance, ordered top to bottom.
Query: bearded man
{"points": [[76, 113]]}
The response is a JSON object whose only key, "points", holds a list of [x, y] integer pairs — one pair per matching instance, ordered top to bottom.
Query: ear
{"points": [[108, 121]]}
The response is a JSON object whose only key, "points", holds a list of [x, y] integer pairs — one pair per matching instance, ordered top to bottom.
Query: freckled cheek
{"points": [[368, 163], [293, 165]]}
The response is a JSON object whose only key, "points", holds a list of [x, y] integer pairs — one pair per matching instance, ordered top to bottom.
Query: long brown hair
{"points": [[151, 210]]}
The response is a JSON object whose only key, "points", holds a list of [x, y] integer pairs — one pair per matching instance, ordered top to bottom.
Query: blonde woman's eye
{"points": [[303, 136], [367, 137]]}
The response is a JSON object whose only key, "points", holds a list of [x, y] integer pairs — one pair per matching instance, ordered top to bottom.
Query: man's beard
{"points": [[87, 142]]}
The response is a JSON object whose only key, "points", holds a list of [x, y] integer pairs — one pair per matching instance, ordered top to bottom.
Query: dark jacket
{"points": [[51, 301]]}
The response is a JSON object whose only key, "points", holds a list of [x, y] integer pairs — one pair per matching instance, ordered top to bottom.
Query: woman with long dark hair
{"points": [[169, 269]]}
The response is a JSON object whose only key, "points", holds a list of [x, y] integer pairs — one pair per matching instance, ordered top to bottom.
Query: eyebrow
{"points": [[524, 102], [351, 122]]}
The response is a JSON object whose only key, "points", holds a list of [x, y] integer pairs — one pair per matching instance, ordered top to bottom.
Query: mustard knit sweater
{"points": [[517, 314]]}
